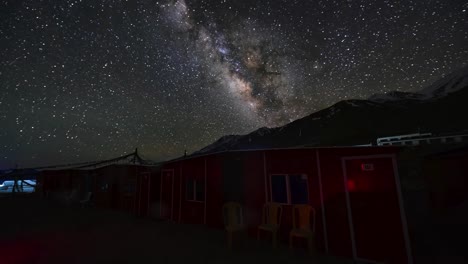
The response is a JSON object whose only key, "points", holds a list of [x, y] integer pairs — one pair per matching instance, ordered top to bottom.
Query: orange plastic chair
{"points": [[233, 220], [271, 221], [301, 225]]}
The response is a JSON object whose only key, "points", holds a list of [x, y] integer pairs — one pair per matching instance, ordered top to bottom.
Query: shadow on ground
{"points": [[38, 231]]}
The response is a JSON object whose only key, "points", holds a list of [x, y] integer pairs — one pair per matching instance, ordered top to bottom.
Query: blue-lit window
{"points": [[131, 188], [279, 189], [289, 189], [298, 189]]}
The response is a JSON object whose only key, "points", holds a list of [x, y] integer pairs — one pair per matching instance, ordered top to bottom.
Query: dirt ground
{"points": [[37, 231]]}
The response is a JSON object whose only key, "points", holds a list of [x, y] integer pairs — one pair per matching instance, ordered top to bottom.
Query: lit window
{"points": [[289, 189]]}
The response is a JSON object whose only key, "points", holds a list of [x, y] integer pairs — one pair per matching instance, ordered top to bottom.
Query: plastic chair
{"points": [[70, 197], [86, 200], [233, 220], [271, 221], [301, 225]]}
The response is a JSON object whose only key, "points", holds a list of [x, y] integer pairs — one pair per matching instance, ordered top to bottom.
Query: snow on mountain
{"points": [[450, 83], [396, 96], [352, 103], [362, 103], [351, 122], [262, 131]]}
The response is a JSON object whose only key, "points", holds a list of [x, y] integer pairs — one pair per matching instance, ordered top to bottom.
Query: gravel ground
{"points": [[37, 231]]}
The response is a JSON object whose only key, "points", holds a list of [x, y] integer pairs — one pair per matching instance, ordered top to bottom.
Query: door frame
{"points": [[172, 173], [142, 176], [400, 204]]}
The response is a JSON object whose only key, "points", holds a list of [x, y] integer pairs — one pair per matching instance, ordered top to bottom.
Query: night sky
{"points": [[90, 80]]}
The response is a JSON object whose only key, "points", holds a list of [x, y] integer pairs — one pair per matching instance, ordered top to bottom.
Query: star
{"points": [[85, 80]]}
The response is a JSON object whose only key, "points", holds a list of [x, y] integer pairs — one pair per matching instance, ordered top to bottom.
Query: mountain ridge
{"points": [[436, 108]]}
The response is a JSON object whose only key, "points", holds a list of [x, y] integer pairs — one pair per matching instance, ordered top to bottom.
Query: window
{"points": [[102, 185], [130, 188], [279, 189], [289, 189], [298, 189], [190, 190], [195, 190], [199, 191]]}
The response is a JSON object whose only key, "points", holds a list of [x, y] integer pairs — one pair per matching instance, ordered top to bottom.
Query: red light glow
{"points": [[351, 185]]}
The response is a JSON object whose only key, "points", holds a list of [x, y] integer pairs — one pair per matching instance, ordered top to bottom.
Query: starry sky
{"points": [[87, 80]]}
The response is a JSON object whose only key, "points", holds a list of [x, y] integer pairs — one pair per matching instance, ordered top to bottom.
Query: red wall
{"points": [[297, 161], [257, 168], [254, 184], [123, 188], [147, 189], [171, 191], [214, 191], [335, 203], [192, 212], [336, 213]]}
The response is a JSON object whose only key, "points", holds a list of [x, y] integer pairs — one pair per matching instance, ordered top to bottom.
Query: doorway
{"points": [[167, 194], [375, 212]]}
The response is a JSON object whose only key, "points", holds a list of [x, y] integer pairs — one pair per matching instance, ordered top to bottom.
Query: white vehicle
{"points": [[7, 186], [3, 187]]}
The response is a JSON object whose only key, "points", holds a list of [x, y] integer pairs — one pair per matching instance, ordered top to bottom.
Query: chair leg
{"points": [[258, 235], [229, 238], [274, 239], [290, 242], [310, 242]]}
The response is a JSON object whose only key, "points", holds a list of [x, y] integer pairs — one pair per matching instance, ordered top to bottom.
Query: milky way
{"points": [[245, 60], [87, 80]]}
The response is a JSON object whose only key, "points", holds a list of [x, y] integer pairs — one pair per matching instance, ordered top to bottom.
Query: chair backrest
{"points": [[72, 194], [88, 196], [232, 213], [272, 213], [302, 216]]}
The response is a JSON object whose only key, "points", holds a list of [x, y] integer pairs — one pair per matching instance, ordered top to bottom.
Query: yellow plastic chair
{"points": [[233, 220], [271, 221], [301, 225]]}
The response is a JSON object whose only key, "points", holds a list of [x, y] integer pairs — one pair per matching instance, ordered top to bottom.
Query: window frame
{"points": [[194, 187], [288, 187]]}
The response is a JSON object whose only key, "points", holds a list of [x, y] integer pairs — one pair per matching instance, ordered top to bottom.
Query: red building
{"points": [[446, 175], [51, 183], [123, 183], [119, 187], [355, 190]]}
